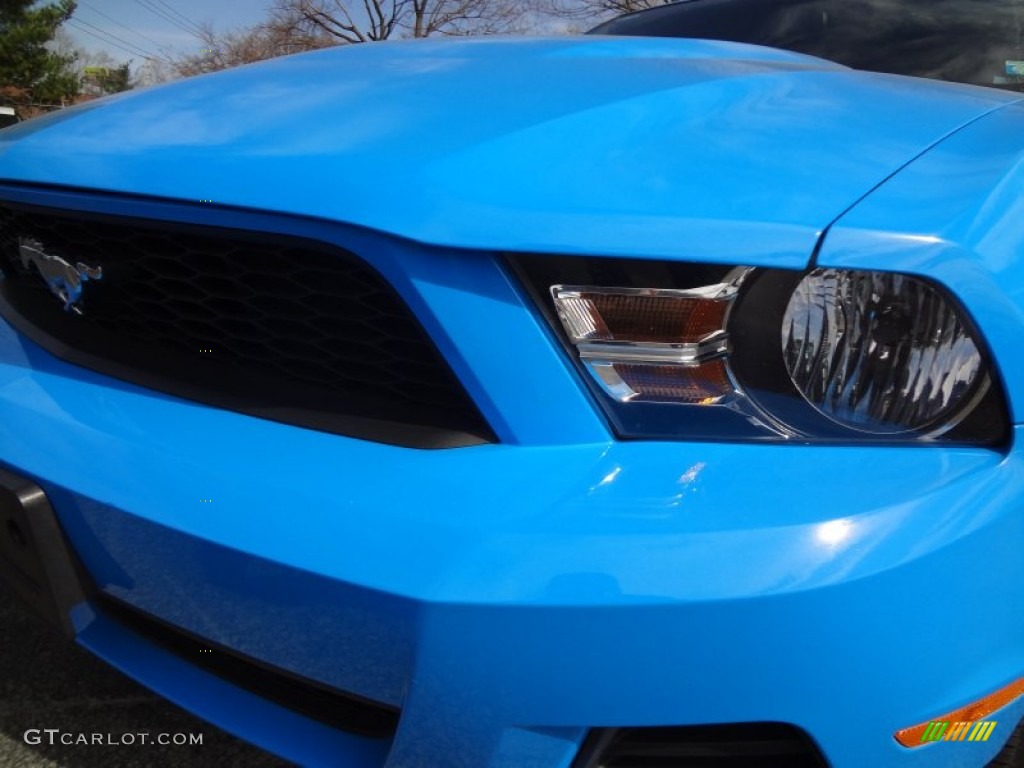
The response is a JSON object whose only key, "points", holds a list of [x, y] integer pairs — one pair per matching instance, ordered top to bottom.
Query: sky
{"points": [[134, 29]]}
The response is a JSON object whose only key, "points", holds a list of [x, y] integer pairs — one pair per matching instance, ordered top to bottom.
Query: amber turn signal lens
{"points": [[644, 315], [642, 318], [649, 344], [705, 384]]}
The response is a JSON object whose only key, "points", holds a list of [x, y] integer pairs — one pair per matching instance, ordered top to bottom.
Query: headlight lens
{"points": [[674, 350], [880, 352]]}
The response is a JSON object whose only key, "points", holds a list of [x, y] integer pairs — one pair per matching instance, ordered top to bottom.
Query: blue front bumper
{"points": [[509, 597]]}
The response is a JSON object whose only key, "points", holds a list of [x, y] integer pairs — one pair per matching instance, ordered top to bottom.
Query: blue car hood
{"points": [[620, 146]]}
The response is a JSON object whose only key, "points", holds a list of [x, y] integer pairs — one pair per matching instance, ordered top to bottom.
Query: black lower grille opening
{"points": [[284, 328], [337, 709], [742, 745]]}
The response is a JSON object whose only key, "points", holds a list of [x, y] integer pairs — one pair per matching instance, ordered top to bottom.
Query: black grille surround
{"points": [[277, 326], [739, 745]]}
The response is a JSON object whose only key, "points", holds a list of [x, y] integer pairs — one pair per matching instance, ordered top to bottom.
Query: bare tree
{"points": [[626, 6], [596, 9], [362, 21], [283, 34], [154, 72]]}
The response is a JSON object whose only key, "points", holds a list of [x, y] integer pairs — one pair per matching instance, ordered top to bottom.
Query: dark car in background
{"points": [[967, 41]]}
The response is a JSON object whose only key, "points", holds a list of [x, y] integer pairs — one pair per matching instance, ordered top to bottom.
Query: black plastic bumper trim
{"points": [[337, 709]]}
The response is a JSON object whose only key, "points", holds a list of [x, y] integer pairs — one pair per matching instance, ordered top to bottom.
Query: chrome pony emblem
{"points": [[64, 279]]}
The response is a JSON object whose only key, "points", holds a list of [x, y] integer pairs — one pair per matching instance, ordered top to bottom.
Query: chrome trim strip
{"points": [[721, 291], [655, 353]]}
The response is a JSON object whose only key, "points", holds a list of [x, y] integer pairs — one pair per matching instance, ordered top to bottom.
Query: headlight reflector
{"points": [[880, 352]]}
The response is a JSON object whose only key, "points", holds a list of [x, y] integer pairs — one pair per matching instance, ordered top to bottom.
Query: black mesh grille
{"points": [[288, 329], [744, 745]]}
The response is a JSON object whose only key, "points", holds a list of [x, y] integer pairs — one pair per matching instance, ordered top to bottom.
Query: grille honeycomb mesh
{"points": [[277, 312]]}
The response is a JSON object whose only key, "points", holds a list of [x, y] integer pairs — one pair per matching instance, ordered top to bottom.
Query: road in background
{"points": [[49, 682]]}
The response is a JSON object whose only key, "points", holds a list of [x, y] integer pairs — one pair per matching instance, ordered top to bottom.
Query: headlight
{"points": [[693, 351], [880, 352]]}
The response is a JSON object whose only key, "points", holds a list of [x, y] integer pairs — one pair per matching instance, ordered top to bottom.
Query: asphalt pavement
{"points": [[48, 682]]}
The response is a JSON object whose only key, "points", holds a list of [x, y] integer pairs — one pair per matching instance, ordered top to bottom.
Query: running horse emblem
{"points": [[64, 279]]}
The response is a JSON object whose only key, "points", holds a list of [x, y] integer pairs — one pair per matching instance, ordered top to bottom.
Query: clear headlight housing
{"points": [[702, 352], [880, 352]]}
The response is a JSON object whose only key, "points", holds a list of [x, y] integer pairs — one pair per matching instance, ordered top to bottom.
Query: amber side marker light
{"points": [[651, 344], [914, 736]]}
